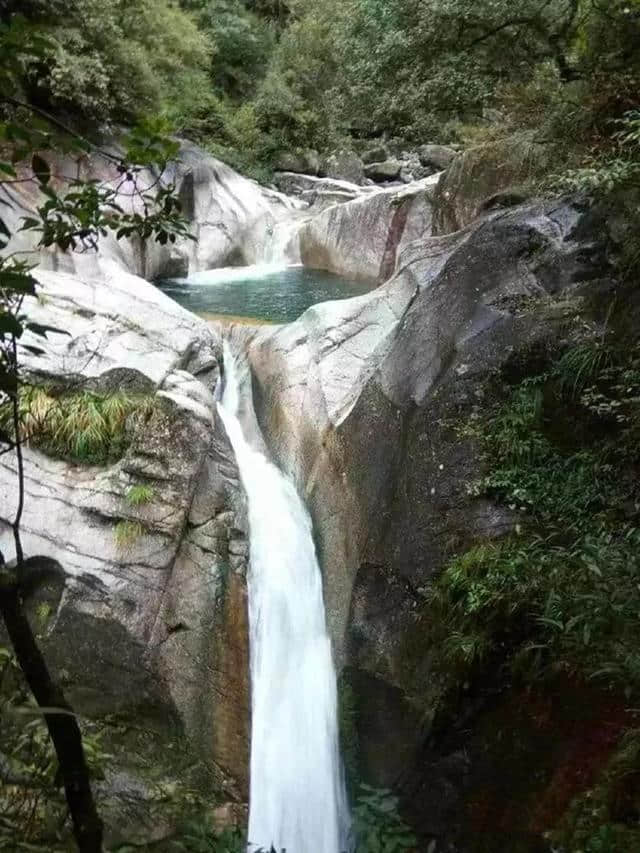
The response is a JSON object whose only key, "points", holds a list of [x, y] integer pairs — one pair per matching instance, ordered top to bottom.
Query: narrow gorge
{"points": [[308, 440]]}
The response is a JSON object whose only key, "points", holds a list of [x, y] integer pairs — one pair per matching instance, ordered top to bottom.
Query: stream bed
{"points": [[264, 293]]}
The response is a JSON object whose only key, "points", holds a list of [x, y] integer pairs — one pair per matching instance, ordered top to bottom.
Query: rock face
{"points": [[491, 175], [224, 210], [362, 238], [116, 321], [359, 401], [148, 633]]}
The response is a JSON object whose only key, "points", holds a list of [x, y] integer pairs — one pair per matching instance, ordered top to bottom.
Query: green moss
{"points": [[79, 426]]}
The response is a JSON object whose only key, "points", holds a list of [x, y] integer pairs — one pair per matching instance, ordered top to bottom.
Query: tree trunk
{"points": [[62, 725]]}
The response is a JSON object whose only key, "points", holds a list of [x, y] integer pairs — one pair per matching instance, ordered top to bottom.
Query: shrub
{"points": [[117, 61], [561, 593], [32, 805], [378, 827]]}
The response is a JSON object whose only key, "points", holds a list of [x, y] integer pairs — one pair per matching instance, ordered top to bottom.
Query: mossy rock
{"points": [[484, 177]]}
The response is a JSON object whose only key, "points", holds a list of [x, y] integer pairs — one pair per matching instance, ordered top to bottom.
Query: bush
{"points": [[116, 61], [561, 594], [377, 826]]}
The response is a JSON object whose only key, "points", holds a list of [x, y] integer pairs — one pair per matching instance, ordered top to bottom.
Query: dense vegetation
{"points": [[250, 79]]}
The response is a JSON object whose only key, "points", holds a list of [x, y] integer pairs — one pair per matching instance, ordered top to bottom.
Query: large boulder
{"points": [[375, 155], [437, 157], [302, 162], [344, 166], [388, 170], [495, 174], [294, 184], [224, 210], [362, 238], [113, 322], [360, 402], [147, 631]]}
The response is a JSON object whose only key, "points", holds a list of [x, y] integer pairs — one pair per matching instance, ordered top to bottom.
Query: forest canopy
{"points": [[252, 78]]}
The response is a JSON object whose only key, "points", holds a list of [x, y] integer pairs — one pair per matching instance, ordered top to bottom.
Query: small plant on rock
{"points": [[139, 495], [127, 532]]}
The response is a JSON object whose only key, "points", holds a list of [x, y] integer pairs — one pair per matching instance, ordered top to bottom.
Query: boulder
{"points": [[375, 155], [436, 157], [303, 162], [343, 165], [388, 170], [476, 179], [294, 184], [319, 200], [361, 238], [115, 321], [148, 631]]}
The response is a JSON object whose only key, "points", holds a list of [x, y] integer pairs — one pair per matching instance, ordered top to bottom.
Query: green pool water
{"points": [[259, 293]]}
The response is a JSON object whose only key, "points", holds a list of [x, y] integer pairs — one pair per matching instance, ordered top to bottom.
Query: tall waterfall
{"points": [[297, 797]]}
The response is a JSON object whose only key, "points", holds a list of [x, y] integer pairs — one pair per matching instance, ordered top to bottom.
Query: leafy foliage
{"points": [[106, 59], [613, 170], [561, 594], [598, 821], [378, 827], [197, 836]]}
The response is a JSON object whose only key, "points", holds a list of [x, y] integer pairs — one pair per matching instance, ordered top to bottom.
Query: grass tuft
{"points": [[80, 426], [139, 495], [127, 532]]}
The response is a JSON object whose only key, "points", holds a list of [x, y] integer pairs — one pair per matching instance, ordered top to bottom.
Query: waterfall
{"points": [[283, 243], [297, 798]]}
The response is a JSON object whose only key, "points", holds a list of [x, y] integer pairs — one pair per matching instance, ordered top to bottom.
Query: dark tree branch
{"points": [[15, 405], [63, 727]]}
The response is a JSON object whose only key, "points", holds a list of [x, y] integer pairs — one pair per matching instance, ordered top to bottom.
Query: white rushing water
{"points": [[297, 798]]}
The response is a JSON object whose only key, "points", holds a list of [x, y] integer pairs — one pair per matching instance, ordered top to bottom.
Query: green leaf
{"points": [[8, 169], [29, 222], [17, 282], [10, 325], [41, 330]]}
